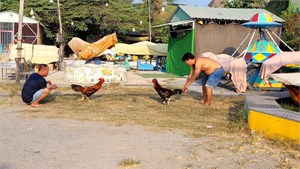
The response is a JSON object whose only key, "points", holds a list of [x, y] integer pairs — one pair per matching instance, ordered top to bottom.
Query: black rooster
{"points": [[165, 93]]}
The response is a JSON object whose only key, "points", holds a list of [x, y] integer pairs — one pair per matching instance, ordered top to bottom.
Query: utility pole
{"points": [[149, 17], [61, 39], [19, 41]]}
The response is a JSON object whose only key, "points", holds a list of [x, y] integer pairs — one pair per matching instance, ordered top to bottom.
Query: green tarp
{"points": [[177, 47]]}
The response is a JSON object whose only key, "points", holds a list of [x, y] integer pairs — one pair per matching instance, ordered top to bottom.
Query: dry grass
{"points": [[10, 90], [142, 106], [225, 120], [129, 162]]}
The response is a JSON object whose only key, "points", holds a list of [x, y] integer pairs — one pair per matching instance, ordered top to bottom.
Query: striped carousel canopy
{"points": [[261, 20]]}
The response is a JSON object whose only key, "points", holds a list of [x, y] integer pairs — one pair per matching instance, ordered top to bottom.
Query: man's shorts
{"points": [[213, 79], [37, 95]]}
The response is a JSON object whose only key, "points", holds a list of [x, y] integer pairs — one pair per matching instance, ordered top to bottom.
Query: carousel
{"points": [[259, 51], [265, 59]]}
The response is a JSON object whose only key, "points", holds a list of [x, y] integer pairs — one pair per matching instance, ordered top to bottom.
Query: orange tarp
{"points": [[86, 51]]}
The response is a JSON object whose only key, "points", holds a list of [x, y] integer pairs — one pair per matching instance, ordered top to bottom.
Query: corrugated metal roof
{"points": [[234, 14], [12, 17]]}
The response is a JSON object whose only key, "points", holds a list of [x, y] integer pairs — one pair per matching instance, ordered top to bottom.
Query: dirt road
{"points": [[35, 143]]}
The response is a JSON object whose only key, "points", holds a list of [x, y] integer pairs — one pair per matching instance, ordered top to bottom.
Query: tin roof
{"points": [[233, 14], [12, 17]]}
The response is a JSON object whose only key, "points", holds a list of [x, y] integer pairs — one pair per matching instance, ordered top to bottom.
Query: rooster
{"points": [[88, 91], [164, 93]]}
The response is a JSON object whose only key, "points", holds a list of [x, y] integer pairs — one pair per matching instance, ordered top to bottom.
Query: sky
{"points": [[188, 2]]}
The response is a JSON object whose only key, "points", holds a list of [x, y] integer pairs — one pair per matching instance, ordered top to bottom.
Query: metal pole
{"points": [[149, 17], [61, 39], [273, 40], [280, 40], [19, 41], [242, 43], [249, 43]]}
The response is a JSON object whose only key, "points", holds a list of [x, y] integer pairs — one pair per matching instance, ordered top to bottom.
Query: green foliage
{"points": [[244, 4], [12, 5], [276, 7], [158, 17], [86, 18], [92, 19], [162, 34], [291, 34], [288, 104]]}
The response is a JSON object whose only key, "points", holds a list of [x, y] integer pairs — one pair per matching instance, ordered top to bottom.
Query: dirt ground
{"points": [[36, 143], [45, 143]]}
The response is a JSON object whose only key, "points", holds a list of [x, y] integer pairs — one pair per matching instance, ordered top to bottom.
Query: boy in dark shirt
{"points": [[35, 88]]}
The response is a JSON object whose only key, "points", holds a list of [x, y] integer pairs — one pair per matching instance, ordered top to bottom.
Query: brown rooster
{"points": [[88, 91], [164, 93]]}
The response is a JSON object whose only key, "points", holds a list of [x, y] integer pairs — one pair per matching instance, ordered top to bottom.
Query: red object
{"points": [[254, 18], [273, 54], [248, 56], [269, 83], [294, 93]]}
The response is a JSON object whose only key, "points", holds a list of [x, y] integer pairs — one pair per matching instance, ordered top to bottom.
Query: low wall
{"points": [[90, 73], [267, 117]]}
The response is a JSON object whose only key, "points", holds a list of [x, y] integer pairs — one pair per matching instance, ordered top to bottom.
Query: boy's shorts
{"points": [[213, 79], [37, 95]]}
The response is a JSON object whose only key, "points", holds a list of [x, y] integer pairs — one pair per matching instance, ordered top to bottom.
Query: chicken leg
{"points": [[88, 99], [168, 100]]}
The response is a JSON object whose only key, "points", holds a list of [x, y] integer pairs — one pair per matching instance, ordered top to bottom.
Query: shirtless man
{"points": [[213, 73]]}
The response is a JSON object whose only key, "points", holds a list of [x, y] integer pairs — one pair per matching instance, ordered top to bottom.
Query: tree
{"points": [[245, 4], [12, 5], [276, 7], [157, 17], [90, 19], [291, 27], [291, 34]]}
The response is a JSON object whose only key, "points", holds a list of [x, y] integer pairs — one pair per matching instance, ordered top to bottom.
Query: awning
{"points": [[176, 23], [142, 48]]}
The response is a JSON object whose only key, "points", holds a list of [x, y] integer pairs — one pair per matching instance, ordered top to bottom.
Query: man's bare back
{"points": [[207, 65], [212, 69]]}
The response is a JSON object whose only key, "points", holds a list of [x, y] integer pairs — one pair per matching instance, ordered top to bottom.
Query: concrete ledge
{"points": [[267, 117]]}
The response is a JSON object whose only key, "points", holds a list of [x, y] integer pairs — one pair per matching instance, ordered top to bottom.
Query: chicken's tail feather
{"points": [[75, 87], [177, 91]]}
